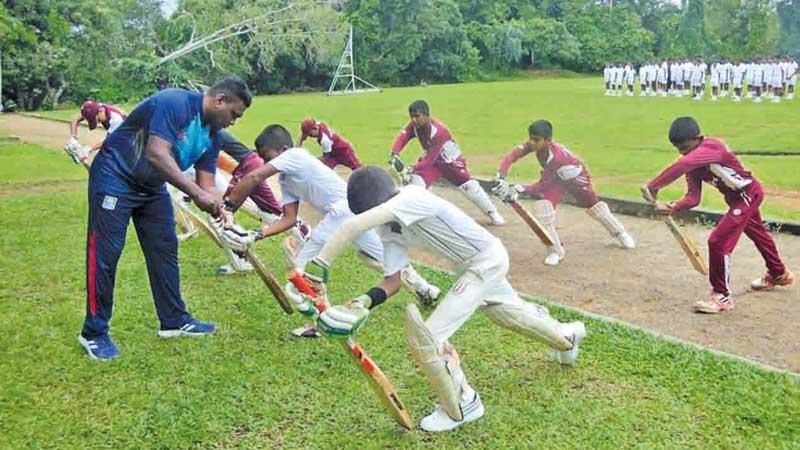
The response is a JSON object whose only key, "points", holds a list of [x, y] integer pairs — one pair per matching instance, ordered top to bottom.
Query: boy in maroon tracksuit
{"points": [[336, 150], [442, 159], [708, 159], [562, 173]]}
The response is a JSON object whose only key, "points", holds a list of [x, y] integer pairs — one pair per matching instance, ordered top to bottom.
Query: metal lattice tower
{"points": [[346, 71]]}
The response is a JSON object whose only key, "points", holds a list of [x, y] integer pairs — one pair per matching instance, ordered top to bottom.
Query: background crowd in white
{"points": [[770, 78]]}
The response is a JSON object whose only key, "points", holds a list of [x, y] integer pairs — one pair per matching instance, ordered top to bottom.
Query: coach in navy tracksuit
{"points": [[166, 134]]}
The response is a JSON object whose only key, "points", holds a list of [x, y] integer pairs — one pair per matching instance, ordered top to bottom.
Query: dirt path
{"points": [[653, 286]]}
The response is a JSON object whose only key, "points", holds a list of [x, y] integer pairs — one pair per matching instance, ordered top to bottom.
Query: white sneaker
{"points": [[608, 92], [790, 96], [698, 98], [714, 98], [736, 98], [776, 99], [757, 100], [496, 219], [626, 240], [552, 259], [228, 269], [574, 332], [438, 420]]}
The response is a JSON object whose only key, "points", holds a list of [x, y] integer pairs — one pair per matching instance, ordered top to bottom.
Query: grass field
{"points": [[623, 140], [252, 386]]}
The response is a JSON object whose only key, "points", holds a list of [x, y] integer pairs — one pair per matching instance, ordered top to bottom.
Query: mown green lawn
{"points": [[623, 140], [252, 386]]}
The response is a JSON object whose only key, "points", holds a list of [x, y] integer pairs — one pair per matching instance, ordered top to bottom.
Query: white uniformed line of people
{"points": [[770, 78]]}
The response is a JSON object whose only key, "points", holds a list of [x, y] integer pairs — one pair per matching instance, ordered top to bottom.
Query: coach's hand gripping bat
{"points": [[686, 243], [266, 275], [377, 380]]}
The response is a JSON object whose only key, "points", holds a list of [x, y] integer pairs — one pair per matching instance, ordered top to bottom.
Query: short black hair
{"points": [[234, 87], [419, 106], [541, 128], [683, 129], [274, 137], [368, 187]]}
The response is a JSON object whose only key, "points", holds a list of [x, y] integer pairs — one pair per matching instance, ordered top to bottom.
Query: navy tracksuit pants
{"points": [[113, 201]]}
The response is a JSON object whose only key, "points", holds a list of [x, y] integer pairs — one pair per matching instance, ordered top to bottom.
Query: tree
{"points": [[789, 18], [691, 30]]}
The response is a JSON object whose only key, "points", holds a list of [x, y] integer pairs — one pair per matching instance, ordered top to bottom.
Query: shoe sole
{"points": [[704, 310], [170, 334], [467, 419]]}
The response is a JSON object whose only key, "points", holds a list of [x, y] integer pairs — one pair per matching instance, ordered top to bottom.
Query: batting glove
{"points": [[77, 152], [396, 163], [501, 188], [513, 193], [233, 236], [318, 271], [301, 302], [344, 321]]}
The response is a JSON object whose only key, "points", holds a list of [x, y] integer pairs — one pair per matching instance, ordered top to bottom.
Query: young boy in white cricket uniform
{"points": [[739, 72], [630, 76], [791, 77], [607, 78], [663, 78], [698, 78], [642, 80], [715, 80], [758, 80], [776, 80], [302, 177], [415, 217]]}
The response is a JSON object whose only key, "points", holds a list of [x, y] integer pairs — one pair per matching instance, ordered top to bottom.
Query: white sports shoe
{"points": [[790, 96], [736, 98], [776, 99], [757, 100], [496, 219], [626, 240], [552, 259], [228, 269], [574, 332], [438, 420]]}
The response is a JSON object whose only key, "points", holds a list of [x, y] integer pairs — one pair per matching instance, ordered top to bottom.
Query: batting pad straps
{"points": [[367, 220]]}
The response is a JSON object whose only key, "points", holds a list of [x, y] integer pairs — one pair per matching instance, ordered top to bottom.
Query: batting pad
{"points": [[475, 193], [602, 214], [546, 215], [529, 319], [425, 351]]}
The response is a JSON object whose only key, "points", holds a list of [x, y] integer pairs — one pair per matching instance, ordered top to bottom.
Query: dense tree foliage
{"points": [[67, 50]]}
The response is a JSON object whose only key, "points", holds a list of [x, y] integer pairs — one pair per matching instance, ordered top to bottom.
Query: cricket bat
{"points": [[534, 224], [687, 245], [263, 272], [376, 378]]}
